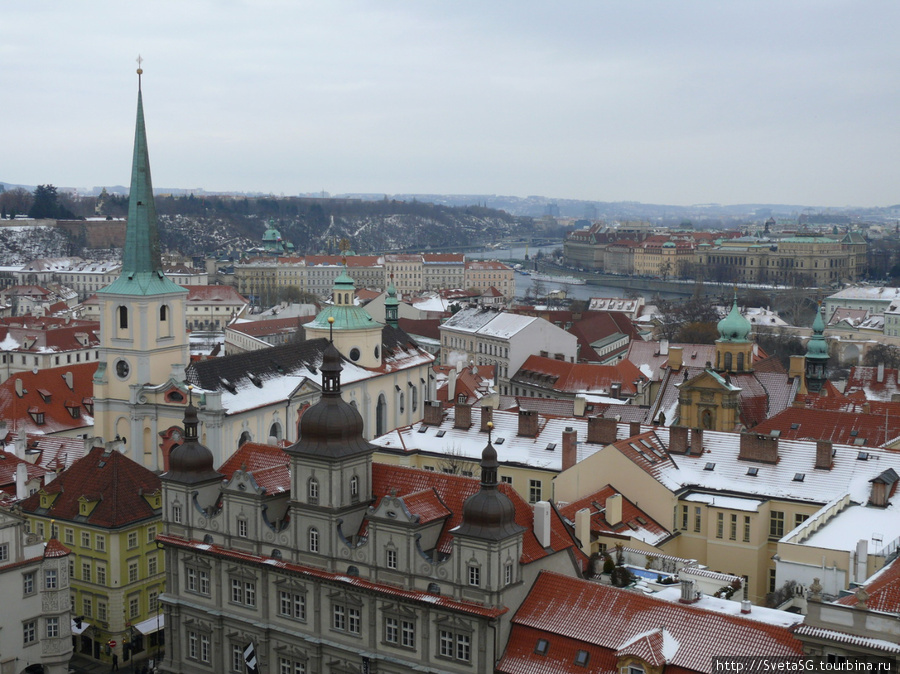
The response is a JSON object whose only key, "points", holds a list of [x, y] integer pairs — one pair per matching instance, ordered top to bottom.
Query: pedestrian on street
{"points": [[115, 662]]}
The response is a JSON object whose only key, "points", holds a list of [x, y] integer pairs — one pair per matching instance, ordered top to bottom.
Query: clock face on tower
{"points": [[122, 368]]}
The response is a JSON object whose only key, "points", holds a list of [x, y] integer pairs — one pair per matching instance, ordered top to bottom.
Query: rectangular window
{"points": [[506, 479], [534, 491], [176, 514], [684, 517], [697, 518], [799, 518], [720, 525], [776, 525], [242, 528], [746, 528], [151, 534], [732, 534], [70, 536], [85, 539], [132, 540], [100, 542], [391, 560], [151, 565], [133, 571], [86, 572], [101, 574], [508, 574], [475, 576], [50, 579], [771, 580], [28, 583], [204, 583], [152, 601], [292, 605], [87, 606], [134, 607], [101, 611], [339, 617], [354, 620], [52, 628], [392, 630], [29, 632], [407, 634], [446, 644], [193, 645], [463, 647], [237, 658]]}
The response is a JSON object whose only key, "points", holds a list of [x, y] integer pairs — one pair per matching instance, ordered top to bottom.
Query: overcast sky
{"points": [[674, 102]]}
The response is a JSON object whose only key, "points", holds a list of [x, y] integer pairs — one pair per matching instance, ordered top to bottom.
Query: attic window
{"points": [[256, 380], [45, 394], [88, 405], [74, 410], [37, 415], [794, 427], [423, 429], [441, 433], [854, 433], [499, 441], [859, 442], [551, 446], [862, 456], [709, 466], [753, 472], [799, 477], [641, 520], [632, 525], [542, 647], [581, 658]]}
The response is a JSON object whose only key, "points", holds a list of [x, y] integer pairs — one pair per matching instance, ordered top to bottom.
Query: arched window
{"points": [[164, 313], [123, 318], [740, 360], [728, 361], [415, 398], [402, 402], [381, 416], [706, 419], [275, 431], [245, 437], [354, 488], [312, 490], [313, 539]]}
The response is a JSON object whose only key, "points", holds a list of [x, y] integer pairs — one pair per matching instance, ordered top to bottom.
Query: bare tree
{"points": [[455, 462]]}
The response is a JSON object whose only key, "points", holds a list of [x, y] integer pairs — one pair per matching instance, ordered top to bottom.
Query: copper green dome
{"points": [[734, 327], [817, 347]]}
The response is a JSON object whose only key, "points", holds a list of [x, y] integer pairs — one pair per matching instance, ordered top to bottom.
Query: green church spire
{"points": [[141, 263]]}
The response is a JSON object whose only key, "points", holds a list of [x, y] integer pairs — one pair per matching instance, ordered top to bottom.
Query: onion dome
{"points": [[734, 327], [817, 347], [331, 427], [191, 462], [488, 513]]}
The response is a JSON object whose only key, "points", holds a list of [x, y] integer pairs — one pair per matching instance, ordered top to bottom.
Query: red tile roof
{"points": [[224, 294], [272, 326], [426, 327], [42, 335], [574, 377], [863, 383], [57, 417], [846, 428], [9, 463], [112, 478], [596, 503], [427, 504], [55, 549], [270, 563], [884, 591], [575, 614]]}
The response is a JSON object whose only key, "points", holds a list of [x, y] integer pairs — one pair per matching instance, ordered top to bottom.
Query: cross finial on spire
{"points": [[140, 71]]}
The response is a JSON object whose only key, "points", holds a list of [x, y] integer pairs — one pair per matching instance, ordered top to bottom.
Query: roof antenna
{"points": [[140, 71]]}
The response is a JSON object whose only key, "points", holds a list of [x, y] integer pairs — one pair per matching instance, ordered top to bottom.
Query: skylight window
{"points": [[794, 427], [423, 429], [441, 433], [854, 433], [499, 441], [859, 442], [551, 447], [862, 456], [709, 466], [753, 472], [799, 477], [641, 519], [542, 646], [581, 658]]}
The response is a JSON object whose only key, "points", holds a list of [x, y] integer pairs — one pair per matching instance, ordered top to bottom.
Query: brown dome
{"points": [[191, 462], [488, 513]]}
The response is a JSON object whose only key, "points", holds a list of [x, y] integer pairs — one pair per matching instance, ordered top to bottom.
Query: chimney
{"points": [[664, 347], [675, 358], [797, 367], [880, 375], [70, 381], [451, 385], [20, 389], [615, 390], [580, 404], [867, 408], [434, 413], [463, 416], [487, 416], [528, 423], [634, 428], [601, 431], [678, 440], [697, 440], [20, 444], [756, 447], [569, 448], [823, 454], [21, 479], [614, 510], [542, 523], [583, 529], [688, 594], [745, 606]]}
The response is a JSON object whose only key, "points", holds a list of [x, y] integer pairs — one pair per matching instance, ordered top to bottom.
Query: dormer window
{"points": [[37, 415]]}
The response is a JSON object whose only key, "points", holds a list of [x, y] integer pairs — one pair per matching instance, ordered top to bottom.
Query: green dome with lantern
{"points": [[734, 327]]}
